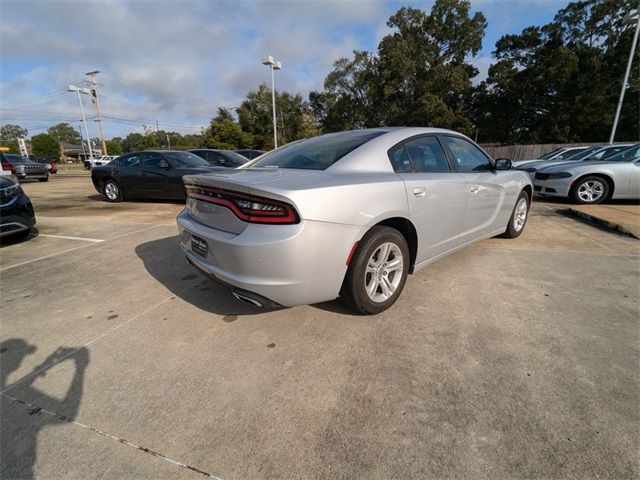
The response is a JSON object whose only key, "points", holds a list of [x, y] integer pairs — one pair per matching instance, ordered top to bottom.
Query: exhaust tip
{"points": [[246, 299]]}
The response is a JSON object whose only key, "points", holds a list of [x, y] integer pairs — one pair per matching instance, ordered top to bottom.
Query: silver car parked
{"points": [[591, 154], [617, 177], [348, 215]]}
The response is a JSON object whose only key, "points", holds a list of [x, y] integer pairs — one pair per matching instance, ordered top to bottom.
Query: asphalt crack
{"points": [[33, 409]]}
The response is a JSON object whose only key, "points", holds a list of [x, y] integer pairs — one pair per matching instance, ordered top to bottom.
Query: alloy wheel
{"points": [[111, 191], [591, 191], [520, 216], [384, 272]]}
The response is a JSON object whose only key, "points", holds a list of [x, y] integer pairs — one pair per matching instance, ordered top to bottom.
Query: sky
{"points": [[176, 62]]}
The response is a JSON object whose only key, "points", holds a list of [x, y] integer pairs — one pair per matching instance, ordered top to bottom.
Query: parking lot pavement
{"points": [[512, 358]]}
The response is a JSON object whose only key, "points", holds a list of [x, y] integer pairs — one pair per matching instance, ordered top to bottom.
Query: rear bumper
{"points": [[287, 265]]}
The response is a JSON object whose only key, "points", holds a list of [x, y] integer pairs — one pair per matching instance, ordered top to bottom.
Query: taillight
{"points": [[8, 166], [249, 208]]}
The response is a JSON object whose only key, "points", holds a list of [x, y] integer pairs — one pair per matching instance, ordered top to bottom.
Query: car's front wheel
{"points": [[590, 190], [111, 191], [519, 216], [377, 272]]}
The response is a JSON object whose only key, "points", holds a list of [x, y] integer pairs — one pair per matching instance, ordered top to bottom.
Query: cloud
{"points": [[176, 60]]}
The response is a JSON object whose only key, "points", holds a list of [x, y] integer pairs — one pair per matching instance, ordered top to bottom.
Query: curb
{"points": [[602, 223]]}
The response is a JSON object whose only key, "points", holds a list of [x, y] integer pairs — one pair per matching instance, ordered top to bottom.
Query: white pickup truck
{"points": [[96, 162]]}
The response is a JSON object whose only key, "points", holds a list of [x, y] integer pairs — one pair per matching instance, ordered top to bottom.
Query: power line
{"points": [[34, 100]]}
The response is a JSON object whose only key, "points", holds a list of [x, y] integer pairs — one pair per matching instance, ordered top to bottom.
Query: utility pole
{"points": [[628, 20], [94, 93]]}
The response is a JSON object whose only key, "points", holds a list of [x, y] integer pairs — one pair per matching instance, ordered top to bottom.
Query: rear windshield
{"points": [[317, 153], [185, 160]]}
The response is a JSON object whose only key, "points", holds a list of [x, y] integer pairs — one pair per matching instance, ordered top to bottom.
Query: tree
{"points": [[419, 76], [560, 82], [255, 117], [12, 132], [63, 132], [223, 132], [9, 135], [132, 142], [45, 145], [114, 146]]}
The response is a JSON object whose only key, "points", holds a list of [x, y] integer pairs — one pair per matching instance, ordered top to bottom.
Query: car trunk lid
{"points": [[244, 181]]}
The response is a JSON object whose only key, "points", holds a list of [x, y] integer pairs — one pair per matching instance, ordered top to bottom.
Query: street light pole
{"points": [[628, 19], [274, 65], [73, 88]]}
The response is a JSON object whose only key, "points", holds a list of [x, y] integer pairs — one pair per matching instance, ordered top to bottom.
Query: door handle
{"points": [[474, 188], [419, 191]]}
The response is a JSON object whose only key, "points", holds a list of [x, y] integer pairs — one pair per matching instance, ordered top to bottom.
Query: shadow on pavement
{"points": [[12, 240], [165, 261], [20, 427]]}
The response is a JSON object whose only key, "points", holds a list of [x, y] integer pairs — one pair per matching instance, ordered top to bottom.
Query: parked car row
{"points": [[589, 176]]}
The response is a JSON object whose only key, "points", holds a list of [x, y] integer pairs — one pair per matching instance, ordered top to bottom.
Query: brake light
{"points": [[8, 166], [249, 208]]}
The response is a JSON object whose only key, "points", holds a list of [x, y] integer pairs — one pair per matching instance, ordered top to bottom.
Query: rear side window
{"points": [[317, 153], [420, 155], [130, 161]]}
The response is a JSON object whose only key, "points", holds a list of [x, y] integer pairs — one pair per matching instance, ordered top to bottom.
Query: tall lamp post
{"points": [[632, 16], [274, 65], [86, 91]]}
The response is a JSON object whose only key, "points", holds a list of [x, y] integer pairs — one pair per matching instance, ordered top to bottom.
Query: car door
{"points": [[126, 172], [156, 176], [634, 180], [484, 188], [436, 196]]}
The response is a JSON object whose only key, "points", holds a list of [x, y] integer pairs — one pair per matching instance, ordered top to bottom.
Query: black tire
{"points": [[43, 179], [598, 190], [111, 191], [515, 228], [353, 292]]}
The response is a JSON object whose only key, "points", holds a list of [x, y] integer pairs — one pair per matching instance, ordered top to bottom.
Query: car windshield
{"points": [[317, 153], [552, 153], [577, 155], [628, 155], [17, 159], [185, 160]]}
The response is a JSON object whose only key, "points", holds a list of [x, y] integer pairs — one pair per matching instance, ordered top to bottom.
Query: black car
{"points": [[250, 153], [221, 158], [24, 168], [151, 174], [16, 212]]}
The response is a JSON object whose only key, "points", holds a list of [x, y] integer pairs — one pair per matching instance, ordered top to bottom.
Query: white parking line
{"points": [[64, 237], [26, 262]]}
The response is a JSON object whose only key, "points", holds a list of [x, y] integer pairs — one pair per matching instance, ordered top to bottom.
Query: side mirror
{"points": [[164, 164], [503, 164]]}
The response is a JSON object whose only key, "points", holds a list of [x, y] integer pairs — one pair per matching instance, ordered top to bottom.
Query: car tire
{"points": [[43, 179], [590, 190], [111, 191], [519, 216], [22, 235], [373, 283]]}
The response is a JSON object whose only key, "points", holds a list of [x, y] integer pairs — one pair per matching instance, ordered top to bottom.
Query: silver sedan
{"points": [[617, 177], [348, 215]]}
